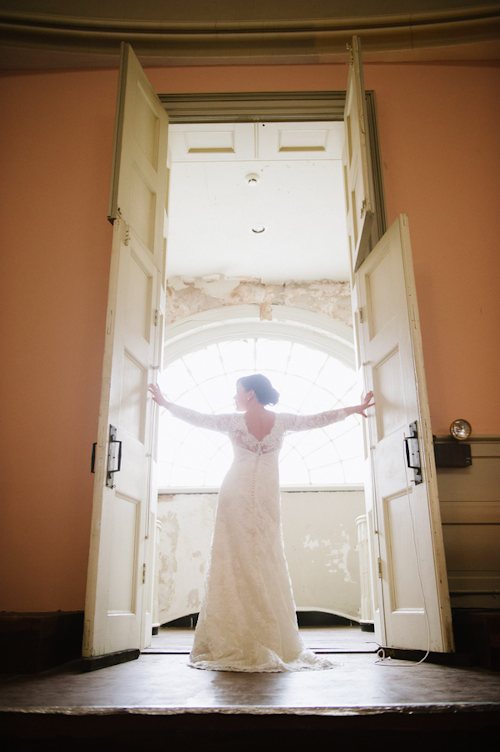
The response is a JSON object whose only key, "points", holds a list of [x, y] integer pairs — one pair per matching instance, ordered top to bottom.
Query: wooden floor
{"points": [[337, 639], [159, 700]]}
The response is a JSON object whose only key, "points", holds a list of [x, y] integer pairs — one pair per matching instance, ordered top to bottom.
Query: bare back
{"points": [[260, 423]]}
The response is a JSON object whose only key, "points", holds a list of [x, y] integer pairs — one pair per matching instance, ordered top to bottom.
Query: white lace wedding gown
{"points": [[247, 621]]}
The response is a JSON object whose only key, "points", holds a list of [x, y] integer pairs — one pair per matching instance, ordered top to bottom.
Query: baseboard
{"points": [[477, 631], [34, 642], [96, 662]]}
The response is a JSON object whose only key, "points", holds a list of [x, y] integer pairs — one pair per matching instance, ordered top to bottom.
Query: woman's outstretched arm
{"points": [[202, 420], [320, 420]]}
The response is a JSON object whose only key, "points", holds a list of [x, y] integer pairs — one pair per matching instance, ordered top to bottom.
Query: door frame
{"points": [[257, 107]]}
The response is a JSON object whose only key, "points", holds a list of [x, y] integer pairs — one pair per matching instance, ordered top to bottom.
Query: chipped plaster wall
{"points": [[187, 296], [187, 522], [320, 542]]}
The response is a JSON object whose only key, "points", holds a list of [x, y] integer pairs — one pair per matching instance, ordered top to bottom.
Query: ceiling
{"points": [[228, 180]]}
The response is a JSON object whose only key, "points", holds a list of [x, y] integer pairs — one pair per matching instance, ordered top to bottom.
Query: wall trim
{"points": [[425, 35], [255, 107], [486, 438], [214, 490]]}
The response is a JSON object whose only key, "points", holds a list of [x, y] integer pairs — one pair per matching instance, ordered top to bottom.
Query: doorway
{"points": [[287, 180], [385, 304]]}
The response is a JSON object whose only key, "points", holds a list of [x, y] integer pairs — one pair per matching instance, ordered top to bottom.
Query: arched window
{"points": [[309, 380]]}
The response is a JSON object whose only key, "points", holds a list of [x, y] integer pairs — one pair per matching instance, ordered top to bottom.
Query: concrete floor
{"points": [[160, 683]]}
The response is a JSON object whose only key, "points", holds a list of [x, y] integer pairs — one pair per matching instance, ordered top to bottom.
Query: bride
{"points": [[247, 621]]}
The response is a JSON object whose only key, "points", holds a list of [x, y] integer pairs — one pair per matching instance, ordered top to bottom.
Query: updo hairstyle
{"points": [[261, 386]]}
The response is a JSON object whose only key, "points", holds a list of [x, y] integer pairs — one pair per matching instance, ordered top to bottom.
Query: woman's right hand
{"points": [[157, 395]]}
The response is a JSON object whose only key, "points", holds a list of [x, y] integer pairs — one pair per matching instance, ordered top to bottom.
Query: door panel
{"points": [[139, 175], [362, 227], [123, 555], [412, 583], [406, 593], [118, 607]]}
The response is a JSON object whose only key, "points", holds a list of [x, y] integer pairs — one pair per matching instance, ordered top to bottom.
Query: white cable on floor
{"points": [[381, 652]]}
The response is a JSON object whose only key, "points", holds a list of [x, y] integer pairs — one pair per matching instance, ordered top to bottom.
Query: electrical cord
{"points": [[383, 660]]}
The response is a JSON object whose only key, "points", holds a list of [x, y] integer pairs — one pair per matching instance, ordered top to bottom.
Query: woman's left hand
{"points": [[367, 402]]}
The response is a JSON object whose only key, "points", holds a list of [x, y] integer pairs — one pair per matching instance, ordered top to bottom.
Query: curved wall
{"points": [[236, 32], [440, 145]]}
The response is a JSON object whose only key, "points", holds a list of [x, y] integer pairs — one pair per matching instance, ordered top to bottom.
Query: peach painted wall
{"points": [[56, 134], [440, 147]]}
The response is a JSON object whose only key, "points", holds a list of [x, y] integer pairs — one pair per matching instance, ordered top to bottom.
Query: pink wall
{"points": [[56, 136], [440, 147]]}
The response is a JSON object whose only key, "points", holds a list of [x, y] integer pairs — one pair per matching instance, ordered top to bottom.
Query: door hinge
{"points": [[351, 54], [363, 208], [126, 239], [360, 314], [156, 318], [109, 322], [413, 453], [114, 456], [379, 568], [143, 574]]}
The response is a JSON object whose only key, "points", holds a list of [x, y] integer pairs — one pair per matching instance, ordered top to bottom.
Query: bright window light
{"points": [[308, 380]]}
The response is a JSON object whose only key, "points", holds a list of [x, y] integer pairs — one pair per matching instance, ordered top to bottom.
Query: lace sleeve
{"points": [[202, 420], [305, 422]]}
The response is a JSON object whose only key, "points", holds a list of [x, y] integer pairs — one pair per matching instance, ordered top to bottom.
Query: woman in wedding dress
{"points": [[247, 621]]}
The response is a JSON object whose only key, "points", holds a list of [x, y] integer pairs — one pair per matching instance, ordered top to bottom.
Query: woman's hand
{"points": [[158, 396], [367, 402], [360, 409]]}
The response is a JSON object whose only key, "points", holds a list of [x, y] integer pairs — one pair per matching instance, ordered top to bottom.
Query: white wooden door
{"points": [[357, 165], [119, 590], [412, 598]]}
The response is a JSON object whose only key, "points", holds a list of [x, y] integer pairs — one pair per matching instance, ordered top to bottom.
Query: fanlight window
{"points": [[308, 380]]}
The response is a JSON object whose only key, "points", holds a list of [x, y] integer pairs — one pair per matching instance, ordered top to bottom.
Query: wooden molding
{"points": [[428, 35], [254, 107], [483, 438]]}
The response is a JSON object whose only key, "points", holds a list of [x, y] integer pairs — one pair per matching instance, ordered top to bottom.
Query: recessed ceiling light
{"points": [[258, 229]]}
